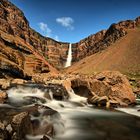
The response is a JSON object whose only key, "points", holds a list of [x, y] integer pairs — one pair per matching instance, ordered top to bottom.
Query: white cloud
{"points": [[66, 22], [44, 27], [46, 30], [56, 38]]}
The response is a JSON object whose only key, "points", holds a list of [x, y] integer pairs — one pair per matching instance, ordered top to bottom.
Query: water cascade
{"points": [[69, 57], [75, 120]]}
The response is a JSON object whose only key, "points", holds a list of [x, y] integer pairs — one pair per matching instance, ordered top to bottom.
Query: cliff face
{"points": [[101, 40], [22, 48], [24, 51], [54, 52], [123, 56]]}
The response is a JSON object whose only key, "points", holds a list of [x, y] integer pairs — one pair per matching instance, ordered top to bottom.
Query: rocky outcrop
{"points": [[101, 40], [113, 86], [58, 91], [17, 124], [14, 125], [45, 127]]}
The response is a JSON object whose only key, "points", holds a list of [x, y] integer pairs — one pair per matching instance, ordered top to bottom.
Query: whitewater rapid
{"points": [[78, 120]]}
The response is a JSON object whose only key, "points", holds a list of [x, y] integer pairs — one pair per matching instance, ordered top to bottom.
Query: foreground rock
{"points": [[111, 84], [58, 91], [40, 120], [13, 124], [17, 124]]}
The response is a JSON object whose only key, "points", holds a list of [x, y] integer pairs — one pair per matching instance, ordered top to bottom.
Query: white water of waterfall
{"points": [[69, 58]]}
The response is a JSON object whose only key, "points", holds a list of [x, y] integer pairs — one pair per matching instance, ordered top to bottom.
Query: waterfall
{"points": [[69, 57]]}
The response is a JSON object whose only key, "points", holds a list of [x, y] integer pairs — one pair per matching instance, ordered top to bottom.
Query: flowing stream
{"points": [[69, 57], [76, 120]]}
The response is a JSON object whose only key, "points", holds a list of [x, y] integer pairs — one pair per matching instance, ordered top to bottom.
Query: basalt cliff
{"points": [[24, 52]]}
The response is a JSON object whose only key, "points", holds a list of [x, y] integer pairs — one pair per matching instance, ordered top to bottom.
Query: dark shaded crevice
{"points": [[13, 46], [4, 73], [82, 91]]}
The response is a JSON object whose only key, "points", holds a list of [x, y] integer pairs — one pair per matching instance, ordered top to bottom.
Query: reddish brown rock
{"points": [[23, 49], [31, 51], [24, 52], [18, 81], [4, 83], [111, 84], [3, 96], [98, 101], [14, 124]]}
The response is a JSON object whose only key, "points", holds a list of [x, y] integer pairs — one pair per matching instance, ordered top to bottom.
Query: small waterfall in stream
{"points": [[69, 57], [75, 120]]}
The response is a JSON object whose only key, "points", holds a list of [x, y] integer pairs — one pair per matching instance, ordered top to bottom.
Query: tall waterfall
{"points": [[69, 57]]}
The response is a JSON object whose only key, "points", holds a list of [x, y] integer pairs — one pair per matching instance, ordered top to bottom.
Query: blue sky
{"points": [[73, 20]]}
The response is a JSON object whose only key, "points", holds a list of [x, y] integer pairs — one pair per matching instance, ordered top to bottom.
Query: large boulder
{"points": [[111, 84], [57, 91], [27, 122], [14, 124], [42, 126]]}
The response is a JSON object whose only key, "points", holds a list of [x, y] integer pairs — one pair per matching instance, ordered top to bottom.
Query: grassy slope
{"points": [[124, 56]]}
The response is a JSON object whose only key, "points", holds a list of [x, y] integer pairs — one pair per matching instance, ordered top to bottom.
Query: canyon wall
{"points": [[101, 40], [25, 47], [25, 50]]}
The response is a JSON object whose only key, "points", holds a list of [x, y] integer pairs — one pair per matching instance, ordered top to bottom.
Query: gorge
{"points": [[52, 90]]}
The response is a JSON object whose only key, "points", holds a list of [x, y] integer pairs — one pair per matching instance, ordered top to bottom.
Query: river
{"points": [[78, 120]]}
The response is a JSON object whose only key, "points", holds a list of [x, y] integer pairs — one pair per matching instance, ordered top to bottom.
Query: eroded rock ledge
{"points": [[112, 85], [106, 89]]}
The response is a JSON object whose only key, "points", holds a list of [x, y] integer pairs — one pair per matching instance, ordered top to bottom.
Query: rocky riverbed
{"points": [[69, 107]]}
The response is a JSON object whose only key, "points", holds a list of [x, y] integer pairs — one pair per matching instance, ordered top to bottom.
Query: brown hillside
{"points": [[25, 53], [124, 55]]}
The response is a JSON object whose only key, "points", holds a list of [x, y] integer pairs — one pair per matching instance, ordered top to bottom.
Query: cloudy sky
{"points": [[73, 20]]}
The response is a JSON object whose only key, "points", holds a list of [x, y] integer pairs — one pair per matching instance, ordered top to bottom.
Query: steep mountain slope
{"points": [[102, 39], [23, 51], [124, 55]]}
